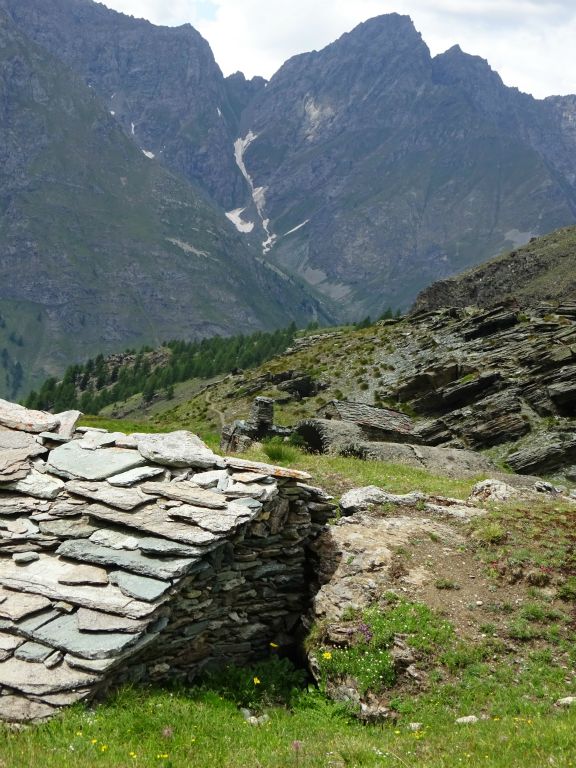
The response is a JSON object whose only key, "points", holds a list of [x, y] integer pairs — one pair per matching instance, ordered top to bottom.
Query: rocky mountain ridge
{"points": [[369, 162], [357, 175], [100, 245], [544, 270]]}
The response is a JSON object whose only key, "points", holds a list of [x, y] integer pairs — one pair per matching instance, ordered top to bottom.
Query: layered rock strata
{"points": [[130, 557]]}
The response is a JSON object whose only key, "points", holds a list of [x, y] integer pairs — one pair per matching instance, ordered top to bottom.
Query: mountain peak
{"points": [[390, 27], [455, 67]]}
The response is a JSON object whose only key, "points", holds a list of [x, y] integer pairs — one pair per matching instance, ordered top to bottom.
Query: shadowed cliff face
{"points": [[161, 84], [405, 168], [369, 169], [101, 247]]}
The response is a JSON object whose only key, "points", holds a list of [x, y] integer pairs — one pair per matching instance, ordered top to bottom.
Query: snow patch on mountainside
{"points": [[258, 193], [235, 217], [295, 229]]}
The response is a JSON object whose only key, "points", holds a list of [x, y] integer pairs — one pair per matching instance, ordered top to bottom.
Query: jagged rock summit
{"points": [[366, 170], [127, 557]]}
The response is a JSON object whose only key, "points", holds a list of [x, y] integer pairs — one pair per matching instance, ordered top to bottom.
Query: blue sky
{"points": [[529, 42]]}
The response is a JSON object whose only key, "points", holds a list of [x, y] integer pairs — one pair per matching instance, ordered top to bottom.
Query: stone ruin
{"points": [[239, 436], [139, 557]]}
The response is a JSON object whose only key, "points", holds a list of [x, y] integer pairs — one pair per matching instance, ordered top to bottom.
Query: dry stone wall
{"points": [[128, 557]]}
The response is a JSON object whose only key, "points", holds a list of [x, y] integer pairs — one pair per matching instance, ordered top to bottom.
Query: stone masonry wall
{"points": [[139, 557]]}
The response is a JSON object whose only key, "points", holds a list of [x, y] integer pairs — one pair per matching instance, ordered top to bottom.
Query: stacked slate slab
{"points": [[139, 557]]}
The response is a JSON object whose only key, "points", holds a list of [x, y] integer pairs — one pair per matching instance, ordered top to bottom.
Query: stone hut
{"points": [[340, 423], [139, 557]]}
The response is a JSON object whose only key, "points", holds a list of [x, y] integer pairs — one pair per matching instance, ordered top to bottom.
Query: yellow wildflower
{"points": [[273, 645], [327, 655], [256, 681]]}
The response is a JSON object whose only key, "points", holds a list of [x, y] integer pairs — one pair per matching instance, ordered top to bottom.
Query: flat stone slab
{"points": [[23, 419], [67, 425], [53, 437], [10, 439], [93, 440], [177, 449], [13, 460], [69, 460], [267, 469], [133, 476], [250, 477], [210, 479], [38, 485], [252, 490], [186, 492], [123, 498], [12, 504], [154, 519], [215, 521], [68, 528], [115, 539], [147, 544], [23, 558], [135, 562], [84, 575], [43, 579], [139, 587], [16, 606], [96, 621], [63, 633], [10, 642], [31, 651], [37, 680], [19, 709]]}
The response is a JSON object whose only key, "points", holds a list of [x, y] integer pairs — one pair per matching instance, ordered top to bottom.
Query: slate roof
{"points": [[97, 530]]}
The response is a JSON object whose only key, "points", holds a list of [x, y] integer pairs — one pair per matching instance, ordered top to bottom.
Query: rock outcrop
{"points": [[128, 557]]}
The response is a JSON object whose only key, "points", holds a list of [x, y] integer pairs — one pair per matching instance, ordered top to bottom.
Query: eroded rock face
{"points": [[471, 379], [148, 574]]}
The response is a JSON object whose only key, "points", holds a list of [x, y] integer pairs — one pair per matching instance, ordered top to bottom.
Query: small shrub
{"points": [[490, 533], [446, 584], [567, 591], [540, 613], [523, 630], [464, 655]]}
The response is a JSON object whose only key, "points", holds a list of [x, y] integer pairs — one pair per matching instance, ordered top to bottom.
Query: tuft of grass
{"points": [[280, 452], [446, 584]]}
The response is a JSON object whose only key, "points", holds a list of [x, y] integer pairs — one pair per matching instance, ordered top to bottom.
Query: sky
{"points": [[530, 43]]}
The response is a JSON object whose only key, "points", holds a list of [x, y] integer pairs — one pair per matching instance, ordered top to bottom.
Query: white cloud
{"points": [[529, 42]]}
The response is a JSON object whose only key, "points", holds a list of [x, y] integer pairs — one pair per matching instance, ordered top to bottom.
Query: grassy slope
{"points": [[344, 358], [514, 690]]}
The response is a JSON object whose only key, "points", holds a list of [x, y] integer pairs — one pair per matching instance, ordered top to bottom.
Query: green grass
{"points": [[117, 425], [339, 474], [153, 728]]}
